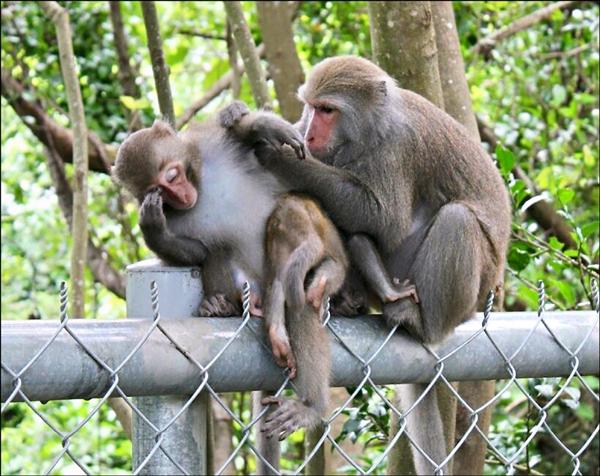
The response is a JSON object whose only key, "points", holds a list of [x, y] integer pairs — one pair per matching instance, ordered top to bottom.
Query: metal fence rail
{"points": [[168, 367]]}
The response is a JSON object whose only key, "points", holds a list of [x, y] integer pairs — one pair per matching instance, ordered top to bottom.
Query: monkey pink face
{"points": [[321, 125], [177, 190]]}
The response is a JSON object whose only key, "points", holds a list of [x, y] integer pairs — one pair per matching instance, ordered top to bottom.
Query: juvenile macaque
{"points": [[391, 166]]}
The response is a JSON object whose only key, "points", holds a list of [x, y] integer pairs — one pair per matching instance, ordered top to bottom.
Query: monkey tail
{"points": [[303, 258], [311, 348], [424, 425]]}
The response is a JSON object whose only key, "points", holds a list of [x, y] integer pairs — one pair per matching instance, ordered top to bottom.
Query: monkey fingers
{"points": [[232, 114], [151, 211], [404, 290], [255, 305], [289, 416]]}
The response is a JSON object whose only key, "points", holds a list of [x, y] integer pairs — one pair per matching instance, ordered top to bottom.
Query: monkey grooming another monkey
{"points": [[390, 166]]}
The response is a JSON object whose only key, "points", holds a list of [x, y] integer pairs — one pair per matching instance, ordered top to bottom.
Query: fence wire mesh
{"points": [[242, 444]]}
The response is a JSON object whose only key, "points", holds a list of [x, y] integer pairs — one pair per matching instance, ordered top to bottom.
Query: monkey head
{"points": [[341, 95], [157, 157]]}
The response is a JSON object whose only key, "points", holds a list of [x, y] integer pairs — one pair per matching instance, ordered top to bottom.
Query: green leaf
{"points": [[559, 94], [506, 159], [565, 195], [590, 228], [518, 260]]}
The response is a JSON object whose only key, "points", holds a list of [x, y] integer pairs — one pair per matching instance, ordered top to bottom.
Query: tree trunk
{"points": [[275, 19], [404, 46], [247, 49], [159, 67], [415, 67], [457, 101], [79, 230]]}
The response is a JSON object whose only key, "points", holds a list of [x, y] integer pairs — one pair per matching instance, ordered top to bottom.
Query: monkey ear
{"points": [[381, 88], [161, 128]]}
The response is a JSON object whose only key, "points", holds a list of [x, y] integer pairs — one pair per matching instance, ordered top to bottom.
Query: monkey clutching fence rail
{"points": [[393, 170], [206, 201]]}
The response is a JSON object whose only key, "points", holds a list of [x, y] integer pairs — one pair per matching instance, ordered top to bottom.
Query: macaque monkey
{"points": [[389, 165], [205, 200]]}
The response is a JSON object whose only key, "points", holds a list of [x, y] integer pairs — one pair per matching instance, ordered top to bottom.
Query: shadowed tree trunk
{"points": [[275, 20], [404, 46], [414, 66], [457, 102]]}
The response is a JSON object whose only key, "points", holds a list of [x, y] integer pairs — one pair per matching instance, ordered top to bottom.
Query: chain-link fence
{"points": [[171, 369]]}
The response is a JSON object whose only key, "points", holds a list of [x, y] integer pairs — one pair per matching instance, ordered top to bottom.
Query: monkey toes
{"points": [[403, 290], [218, 306], [282, 352], [289, 416]]}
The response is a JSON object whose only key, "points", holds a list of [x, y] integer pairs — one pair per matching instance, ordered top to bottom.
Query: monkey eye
{"points": [[325, 109], [171, 174]]}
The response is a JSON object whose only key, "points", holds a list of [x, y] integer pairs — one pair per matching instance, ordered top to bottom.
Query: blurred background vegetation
{"points": [[535, 94]]}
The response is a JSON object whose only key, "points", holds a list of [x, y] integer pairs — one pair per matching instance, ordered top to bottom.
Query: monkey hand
{"points": [[230, 115], [272, 134], [152, 217], [282, 352]]}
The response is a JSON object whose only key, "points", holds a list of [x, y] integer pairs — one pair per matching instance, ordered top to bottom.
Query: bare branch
{"points": [[199, 34], [485, 45], [247, 48], [232, 54], [159, 67], [126, 72], [41, 125], [79, 229]]}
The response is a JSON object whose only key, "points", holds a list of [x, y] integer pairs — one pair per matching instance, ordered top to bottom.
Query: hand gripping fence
{"points": [[174, 373]]}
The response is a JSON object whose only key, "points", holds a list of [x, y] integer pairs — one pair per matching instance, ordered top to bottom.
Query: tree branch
{"points": [[485, 45], [249, 55], [159, 67], [126, 72], [217, 88], [42, 126], [541, 212], [79, 229], [96, 257]]}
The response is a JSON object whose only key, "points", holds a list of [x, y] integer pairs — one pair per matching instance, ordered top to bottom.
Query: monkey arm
{"points": [[341, 193], [177, 250]]}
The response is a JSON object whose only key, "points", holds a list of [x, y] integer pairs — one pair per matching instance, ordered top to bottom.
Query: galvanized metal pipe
{"points": [[65, 371]]}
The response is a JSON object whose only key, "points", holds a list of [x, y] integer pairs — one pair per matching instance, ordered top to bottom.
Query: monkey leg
{"points": [[366, 259], [447, 271], [327, 279], [274, 313], [310, 345]]}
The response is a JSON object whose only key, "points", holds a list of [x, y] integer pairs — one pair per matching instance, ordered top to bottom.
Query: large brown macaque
{"points": [[389, 166]]}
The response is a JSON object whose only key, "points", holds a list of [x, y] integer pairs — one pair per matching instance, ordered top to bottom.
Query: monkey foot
{"points": [[403, 290], [315, 293], [348, 304], [255, 305], [218, 306], [282, 352], [290, 415]]}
